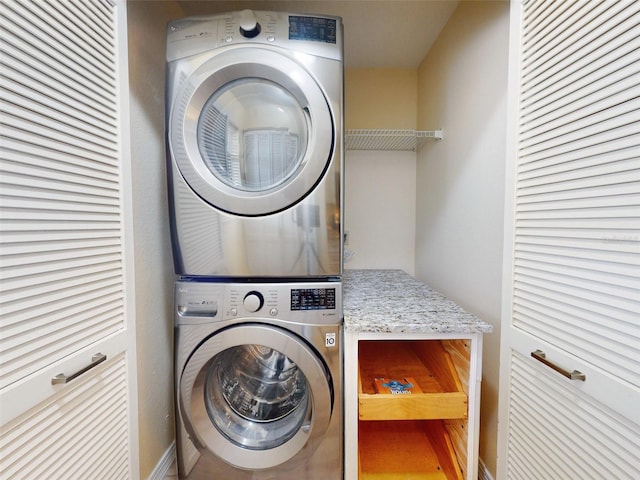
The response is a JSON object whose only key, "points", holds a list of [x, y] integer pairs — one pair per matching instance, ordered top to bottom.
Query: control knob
{"points": [[249, 26], [253, 301]]}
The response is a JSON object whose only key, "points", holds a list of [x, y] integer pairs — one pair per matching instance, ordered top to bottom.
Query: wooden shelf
{"points": [[428, 363], [408, 450]]}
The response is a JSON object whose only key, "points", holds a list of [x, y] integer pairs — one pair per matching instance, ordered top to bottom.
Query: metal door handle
{"points": [[542, 357], [62, 378]]}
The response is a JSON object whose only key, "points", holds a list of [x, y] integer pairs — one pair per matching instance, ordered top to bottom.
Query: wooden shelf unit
{"points": [[428, 363], [408, 436], [407, 449]]}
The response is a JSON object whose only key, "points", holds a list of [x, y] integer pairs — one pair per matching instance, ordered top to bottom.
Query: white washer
{"points": [[254, 144], [259, 380]]}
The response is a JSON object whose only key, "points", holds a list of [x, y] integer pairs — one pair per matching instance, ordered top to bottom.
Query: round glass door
{"points": [[251, 131], [253, 134], [255, 396]]}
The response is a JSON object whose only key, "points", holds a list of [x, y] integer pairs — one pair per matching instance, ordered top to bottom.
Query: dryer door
{"points": [[251, 131], [256, 396]]}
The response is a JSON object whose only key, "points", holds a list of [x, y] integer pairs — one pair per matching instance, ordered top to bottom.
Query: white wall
{"points": [[380, 187], [460, 197], [380, 205], [153, 261]]}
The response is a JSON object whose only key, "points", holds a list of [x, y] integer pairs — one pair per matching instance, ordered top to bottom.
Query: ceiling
{"points": [[380, 34]]}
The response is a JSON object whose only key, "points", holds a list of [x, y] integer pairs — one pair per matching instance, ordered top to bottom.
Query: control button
{"points": [[249, 26], [271, 38], [228, 39], [253, 301], [233, 312], [273, 312]]}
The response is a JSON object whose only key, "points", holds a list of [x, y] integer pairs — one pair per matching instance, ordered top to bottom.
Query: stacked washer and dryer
{"points": [[254, 149]]}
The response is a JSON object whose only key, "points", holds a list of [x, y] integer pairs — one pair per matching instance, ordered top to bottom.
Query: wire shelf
{"points": [[382, 139]]}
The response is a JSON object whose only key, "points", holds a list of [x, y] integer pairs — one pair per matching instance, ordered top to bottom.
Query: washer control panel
{"points": [[313, 298], [314, 302]]}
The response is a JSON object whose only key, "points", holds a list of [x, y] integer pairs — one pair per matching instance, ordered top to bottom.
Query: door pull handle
{"points": [[542, 357], [62, 378]]}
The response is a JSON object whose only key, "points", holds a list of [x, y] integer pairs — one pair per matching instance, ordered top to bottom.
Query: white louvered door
{"points": [[65, 242], [572, 261]]}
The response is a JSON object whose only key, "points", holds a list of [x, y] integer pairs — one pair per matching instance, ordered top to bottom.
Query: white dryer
{"points": [[254, 144], [259, 380]]}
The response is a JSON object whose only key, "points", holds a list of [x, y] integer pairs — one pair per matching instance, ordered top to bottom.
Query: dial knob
{"points": [[249, 26], [253, 301]]}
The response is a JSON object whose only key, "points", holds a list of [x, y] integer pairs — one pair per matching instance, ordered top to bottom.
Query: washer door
{"points": [[251, 131], [255, 396]]}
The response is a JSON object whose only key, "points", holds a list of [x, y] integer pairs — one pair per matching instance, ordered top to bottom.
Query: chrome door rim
{"points": [[220, 70], [202, 429]]}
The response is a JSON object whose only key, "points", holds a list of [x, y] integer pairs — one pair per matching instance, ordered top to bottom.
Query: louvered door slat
{"points": [[80, 23], [544, 28], [579, 42], [62, 44], [46, 60], [33, 75], [62, 78], [26, 81], [48, 105], [553, 121], [54, 129], [610, 137], [42, 139], [37, 161], [620, 161], [86, 167], [49, 197], [56, 206], [61, 247], [586, 267], [581, 275], [56, 289], [103, 316]]}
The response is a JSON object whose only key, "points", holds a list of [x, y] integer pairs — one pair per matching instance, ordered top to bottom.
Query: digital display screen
{"points": [[312, 28], [313, 299]]}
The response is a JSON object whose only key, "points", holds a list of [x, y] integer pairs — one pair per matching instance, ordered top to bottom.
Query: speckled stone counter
{"points": [[392, 301]]}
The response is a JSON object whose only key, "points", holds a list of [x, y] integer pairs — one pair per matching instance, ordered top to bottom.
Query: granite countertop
{"points": [[392, 301]]}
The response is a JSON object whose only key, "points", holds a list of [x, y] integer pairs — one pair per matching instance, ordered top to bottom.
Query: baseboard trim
{"points": [[168, 459], [164, 465], [483, 472]]}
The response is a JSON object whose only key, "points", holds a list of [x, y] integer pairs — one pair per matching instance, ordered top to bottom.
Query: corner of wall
{"points": [[460, 199], [152, 247]]}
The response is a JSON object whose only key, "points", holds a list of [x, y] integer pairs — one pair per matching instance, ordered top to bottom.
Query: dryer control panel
{"points": [[315, 29], [318, 35]]}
